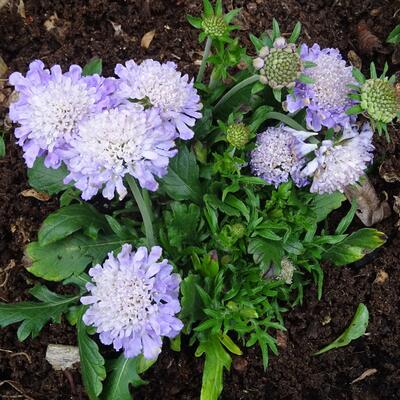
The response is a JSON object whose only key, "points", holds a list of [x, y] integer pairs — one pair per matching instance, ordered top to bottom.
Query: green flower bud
{"points": [[214, 26], [279, 66], [378, 98], [238, 135], [238, 230]]}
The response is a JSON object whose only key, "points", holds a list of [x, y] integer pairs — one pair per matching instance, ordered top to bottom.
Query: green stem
{"points": [[203, 65], [246, 82], [285, 119], [144, 209]]}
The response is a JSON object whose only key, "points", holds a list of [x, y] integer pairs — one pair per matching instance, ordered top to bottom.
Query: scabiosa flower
{"points": [[280, 65], [162, 87], [326, 99], [51, 105], [117, 142], [279, 154], [342, 163], [133, 301]]}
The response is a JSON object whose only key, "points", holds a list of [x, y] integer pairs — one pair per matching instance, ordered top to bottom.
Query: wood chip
{"points": [[4, 3], [21, 9], [51, 22], [147, 39], [37, 195], [381, 277], [62, 357], [365, 374]]}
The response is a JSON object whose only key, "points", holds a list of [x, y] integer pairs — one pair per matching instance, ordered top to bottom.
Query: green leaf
{"points": [[218, 7], [208, 8], [231, 14], [195, 21], [276, 32], [296, 33], [394, 36], [258, 44], [94, 66], [372, 71], [358, 75], [306, 79], [277, 94], [236, 96], [357, 109], [2, 147], [47, 180], [182, 180], [68, 196], [324, 204], [68, 220], [346, 220], [181, 223], [355, 246], [265, 252], [70, 256], [191, 303], [35, 315], [356, 329], [230, 344], [216, 360], [92, 363], [122, 372]]}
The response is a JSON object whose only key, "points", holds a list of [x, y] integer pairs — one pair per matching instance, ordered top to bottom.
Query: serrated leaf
{"points": [[94, 66], [47, 180], [182, 180], [324, 204], [68, 220], [181, 223], [355, 246], [70, 256], [34, 315], [356, 329], [216, 359], [92, 362], [122, 372]]}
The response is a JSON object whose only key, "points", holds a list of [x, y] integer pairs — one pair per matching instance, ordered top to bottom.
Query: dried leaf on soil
{"points": [[3, 3], [21, 9], [51, 22], [147, 39], [367, 41], [354, 59], [3, 67], [390, 170], [37, 195], [370, 209], [396, 209], [381, 277], [62, 357], [365, 374]]}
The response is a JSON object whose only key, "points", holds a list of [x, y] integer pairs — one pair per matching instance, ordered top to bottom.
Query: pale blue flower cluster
{"points": [[104, 128], [133, 301]]}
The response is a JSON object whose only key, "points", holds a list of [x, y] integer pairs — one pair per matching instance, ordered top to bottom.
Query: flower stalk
{"points": [[203, 64], [144, 208]]}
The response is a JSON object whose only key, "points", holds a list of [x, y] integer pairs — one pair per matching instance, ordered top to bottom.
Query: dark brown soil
{"points": [[83, 29]]}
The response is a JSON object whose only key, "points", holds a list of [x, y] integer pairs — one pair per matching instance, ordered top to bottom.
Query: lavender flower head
{"points": [[161, 86], [327, 98], [50, 106], [117, 142], [279, 154], [340, 164], [133, 301]]}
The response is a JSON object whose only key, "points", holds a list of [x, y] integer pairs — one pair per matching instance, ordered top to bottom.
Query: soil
{"points": [[73, 31]]}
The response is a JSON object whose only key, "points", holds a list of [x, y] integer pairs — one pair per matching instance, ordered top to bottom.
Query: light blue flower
{"points": [[133, 301]]}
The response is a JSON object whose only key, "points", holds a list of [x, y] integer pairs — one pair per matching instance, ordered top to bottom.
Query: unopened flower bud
{"points": [[214, 26], [258, 63], [378, 98], [238, 135]]}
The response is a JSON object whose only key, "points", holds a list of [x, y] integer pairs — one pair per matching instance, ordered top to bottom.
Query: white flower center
{"points": [[331, 78], [162, 86], [56, 110], [114, 138], [123, 300]]}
